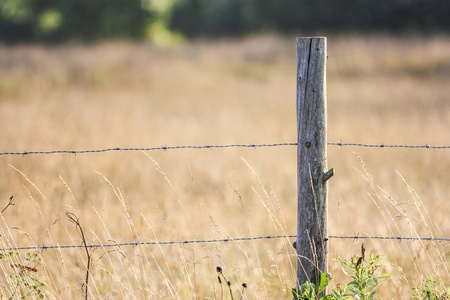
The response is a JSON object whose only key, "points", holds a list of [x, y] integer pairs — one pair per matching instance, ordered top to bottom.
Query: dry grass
{"points": [[380, 90]]}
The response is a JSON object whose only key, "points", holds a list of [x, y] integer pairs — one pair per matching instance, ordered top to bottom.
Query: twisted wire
{"points": [[426, 146], [165, 148], [398, 238], [185, 242], [44, 247]]}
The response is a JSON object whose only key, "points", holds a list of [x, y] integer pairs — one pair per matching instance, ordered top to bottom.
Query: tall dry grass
{"points": [[380, 90]]}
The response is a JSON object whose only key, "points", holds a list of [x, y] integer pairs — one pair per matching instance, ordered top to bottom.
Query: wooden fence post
{"points": [[311, 243]]}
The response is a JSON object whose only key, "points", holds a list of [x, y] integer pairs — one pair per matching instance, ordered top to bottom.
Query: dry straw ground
{"points": [[380, 90]]}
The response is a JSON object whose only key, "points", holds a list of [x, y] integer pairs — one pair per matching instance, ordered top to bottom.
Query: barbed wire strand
{"points": [[426, 146], [165, 148], [353, 238], [399, 238], [44, 247]]}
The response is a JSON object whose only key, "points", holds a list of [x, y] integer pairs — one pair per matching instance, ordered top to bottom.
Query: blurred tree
{"points": [[219, 17], [234, 17], [16, 19], [56, 20], [60, 20], [157, 31]]}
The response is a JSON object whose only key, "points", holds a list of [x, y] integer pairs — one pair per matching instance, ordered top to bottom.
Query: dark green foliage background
{"points": [[210, 18], [128, 19], [81, 20]]}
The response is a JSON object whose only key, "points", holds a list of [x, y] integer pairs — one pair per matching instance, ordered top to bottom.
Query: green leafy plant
{"points": [[365, 278], [24, 282], [310, 291], [429, 291], [340, 293]]}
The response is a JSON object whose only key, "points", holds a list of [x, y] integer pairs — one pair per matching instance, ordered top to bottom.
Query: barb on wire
{"points": [[165, 148]]}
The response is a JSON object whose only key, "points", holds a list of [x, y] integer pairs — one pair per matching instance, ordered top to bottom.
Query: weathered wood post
{"points": [[311, 243]]}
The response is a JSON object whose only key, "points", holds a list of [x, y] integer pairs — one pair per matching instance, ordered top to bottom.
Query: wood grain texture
{"points": [[311, 104]]}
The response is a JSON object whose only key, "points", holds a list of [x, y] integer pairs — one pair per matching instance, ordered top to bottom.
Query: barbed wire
{"points": [[426, 146], [165, 148], [266, 237], [399, 238], [44, 247]]}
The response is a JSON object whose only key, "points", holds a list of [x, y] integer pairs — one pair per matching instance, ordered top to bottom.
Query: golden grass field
{"points": [[381, 89]]}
